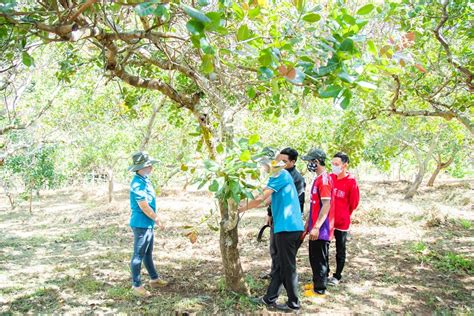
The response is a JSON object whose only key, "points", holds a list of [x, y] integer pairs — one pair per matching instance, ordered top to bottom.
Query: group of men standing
{"points": [[333, 198]]}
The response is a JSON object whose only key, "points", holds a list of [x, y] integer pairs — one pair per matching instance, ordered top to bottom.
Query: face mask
{"points": [[312, 166], [336, 169]]}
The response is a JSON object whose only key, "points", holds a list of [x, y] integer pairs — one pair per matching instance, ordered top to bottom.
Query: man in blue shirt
{"points": [[142, 221], [287, 227]]}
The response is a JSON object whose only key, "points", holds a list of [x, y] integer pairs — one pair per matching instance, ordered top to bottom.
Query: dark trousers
{"points": [[341, 239], [287, 244], [273, 252], [318, 258]]}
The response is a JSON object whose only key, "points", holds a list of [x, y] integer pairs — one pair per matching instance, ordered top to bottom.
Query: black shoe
{"points": [[261, 301], [286, 308]]}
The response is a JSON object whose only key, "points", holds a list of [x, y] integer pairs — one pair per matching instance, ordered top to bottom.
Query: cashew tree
{"points": [[217, 60]]}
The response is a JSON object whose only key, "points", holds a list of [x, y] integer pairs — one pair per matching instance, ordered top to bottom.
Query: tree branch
{"points": [[440, 38]]}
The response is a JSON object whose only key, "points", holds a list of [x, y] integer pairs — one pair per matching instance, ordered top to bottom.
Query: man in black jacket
{"points": [[288, 156]]}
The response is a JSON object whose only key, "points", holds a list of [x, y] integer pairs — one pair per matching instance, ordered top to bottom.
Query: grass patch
{"points": [[465, 223], [101, 234], [16, 242], [446, 262], [451, 262], [85, 284], [10, 290], [120, 293], [42, 300]]}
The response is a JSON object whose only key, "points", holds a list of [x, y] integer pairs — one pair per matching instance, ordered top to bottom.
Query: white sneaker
{"points": [[333, 281]]}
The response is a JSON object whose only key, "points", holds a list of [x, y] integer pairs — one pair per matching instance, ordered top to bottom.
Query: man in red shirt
{"points": [[346, 200], [320, 223]]}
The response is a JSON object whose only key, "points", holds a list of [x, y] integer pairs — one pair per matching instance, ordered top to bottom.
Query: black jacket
{"points": [[300, 188]]}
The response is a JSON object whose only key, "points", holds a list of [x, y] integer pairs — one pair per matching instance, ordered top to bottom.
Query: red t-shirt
{"points": [[322, 188], [346, 199]]}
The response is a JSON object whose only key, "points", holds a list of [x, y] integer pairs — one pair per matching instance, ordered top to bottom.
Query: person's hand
{"points": [[242, 207], [269, 221], [159, 222], [314, 234]]}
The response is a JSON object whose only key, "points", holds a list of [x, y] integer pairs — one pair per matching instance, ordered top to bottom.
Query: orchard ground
{"points": [[72, 255]]}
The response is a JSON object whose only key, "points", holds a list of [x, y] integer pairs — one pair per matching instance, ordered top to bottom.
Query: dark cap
{"points": [[315, 154]]}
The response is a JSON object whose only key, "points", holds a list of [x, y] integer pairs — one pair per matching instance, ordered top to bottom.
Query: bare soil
{"points": [[72, 255]]}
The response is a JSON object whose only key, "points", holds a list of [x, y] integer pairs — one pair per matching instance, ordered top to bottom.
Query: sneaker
{"points": [[333, 281], [158, 283], [309, 286], [140, 291], [311, 293], [286, 308]]}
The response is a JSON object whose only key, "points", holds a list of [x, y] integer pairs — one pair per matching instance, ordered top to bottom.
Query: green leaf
{"points": [[203, 3], [300, 5], [145, 8], [365, 9], [161, 11], [239, 12], [253, 13], [196, 14], [311, 17], [349, 19], [195, 27], [3, 32], [243, 33], [347, 45], [205, 46], [371, 48], [265, 58], [27, 59], [207, 65], [265, 73], [346, 77], [368, 85], [331, 91], [251, 92], [346, 95], [254, 139], [220, 148], [245, 155], [211, 165], [203, 182], [214, 187]]}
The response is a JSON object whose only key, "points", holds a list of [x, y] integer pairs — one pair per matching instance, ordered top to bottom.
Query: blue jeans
{"points": [[142, 251]]}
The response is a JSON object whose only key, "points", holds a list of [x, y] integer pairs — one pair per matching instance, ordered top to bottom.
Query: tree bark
{"points": [[422, 163], [439, 166], [434, 175], [111, 184], [10, 197], [31, 201], [229, 239]]}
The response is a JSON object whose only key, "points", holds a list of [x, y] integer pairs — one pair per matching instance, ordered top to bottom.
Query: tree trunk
{"points": [[422, 163], [439, 166], [434, 175], [111, 184], [416, 184], [9, 195], [10, 199], [31, 201], [229, 239]]}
